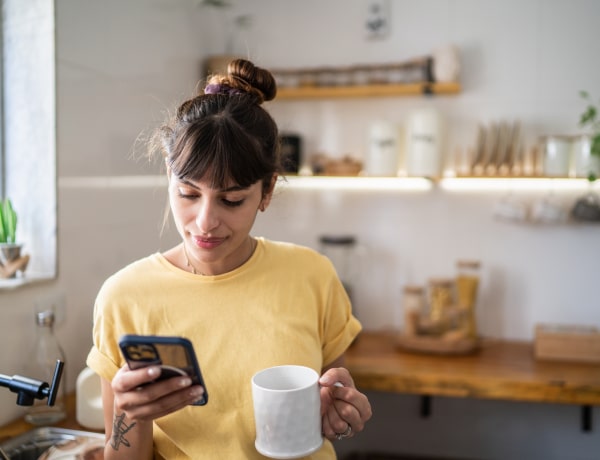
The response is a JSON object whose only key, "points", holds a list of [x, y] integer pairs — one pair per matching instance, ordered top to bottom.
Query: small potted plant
{"points": [[587, 208], [11, 260]]}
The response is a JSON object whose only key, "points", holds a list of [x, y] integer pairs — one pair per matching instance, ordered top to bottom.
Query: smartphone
{"points": [[175, 356]]}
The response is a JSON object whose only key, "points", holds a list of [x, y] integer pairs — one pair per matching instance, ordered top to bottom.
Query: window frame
{"points": [[28, 137]]}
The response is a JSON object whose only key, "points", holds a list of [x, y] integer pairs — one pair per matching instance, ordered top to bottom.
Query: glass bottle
{"points": [[467, 283], [41, 364]]}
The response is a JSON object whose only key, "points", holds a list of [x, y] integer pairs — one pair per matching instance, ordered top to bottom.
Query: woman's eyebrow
{"points": [[187, 182], [233, 188]]}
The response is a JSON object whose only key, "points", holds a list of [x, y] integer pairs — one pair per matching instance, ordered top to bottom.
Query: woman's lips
{"points": [[208, 243]]}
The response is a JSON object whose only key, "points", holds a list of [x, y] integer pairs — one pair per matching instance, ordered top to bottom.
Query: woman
{"points": [[246, 303]]}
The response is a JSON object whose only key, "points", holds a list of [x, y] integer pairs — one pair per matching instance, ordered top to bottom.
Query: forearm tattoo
{"points": [[120, 428]]}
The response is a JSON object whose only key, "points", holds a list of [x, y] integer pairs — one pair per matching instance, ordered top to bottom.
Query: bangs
{"points": [[218, 152]]}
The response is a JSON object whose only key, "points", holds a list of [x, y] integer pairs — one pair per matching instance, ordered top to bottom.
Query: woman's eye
{"points": [[187, 196], [232, 203]]}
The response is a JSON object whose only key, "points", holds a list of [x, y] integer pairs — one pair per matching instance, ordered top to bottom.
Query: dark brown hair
{"points": [[225, 134]]}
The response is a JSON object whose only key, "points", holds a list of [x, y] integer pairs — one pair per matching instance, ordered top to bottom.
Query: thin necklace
{"points": [[187, 261], [193, 269]]}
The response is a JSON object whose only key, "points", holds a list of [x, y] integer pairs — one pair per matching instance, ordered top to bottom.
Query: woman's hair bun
{"points": [[246, 76]]}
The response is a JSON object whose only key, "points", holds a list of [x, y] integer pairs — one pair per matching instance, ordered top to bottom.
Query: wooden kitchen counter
{"points": [[503, 370]]}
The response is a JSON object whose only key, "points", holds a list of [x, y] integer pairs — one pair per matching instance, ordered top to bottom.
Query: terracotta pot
{"points": [[9, 252], [11, 260]]}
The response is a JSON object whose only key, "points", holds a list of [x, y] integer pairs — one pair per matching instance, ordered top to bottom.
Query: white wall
{"points": [[122, 64]]}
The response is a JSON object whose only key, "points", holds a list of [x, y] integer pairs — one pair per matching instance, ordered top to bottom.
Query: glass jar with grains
{"points": [[467, 284], [441, 305]]}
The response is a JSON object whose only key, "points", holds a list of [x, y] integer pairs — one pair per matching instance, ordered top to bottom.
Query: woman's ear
{"points": [[266, 199]]}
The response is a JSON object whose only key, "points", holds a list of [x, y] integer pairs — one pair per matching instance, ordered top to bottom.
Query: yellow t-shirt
{"points": [[285, 305]]}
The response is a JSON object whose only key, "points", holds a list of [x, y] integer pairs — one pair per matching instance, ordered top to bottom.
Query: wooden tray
{"points": [[438, 345]]}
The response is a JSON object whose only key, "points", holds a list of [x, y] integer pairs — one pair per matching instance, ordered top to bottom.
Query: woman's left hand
{"points": [[344, 409]]}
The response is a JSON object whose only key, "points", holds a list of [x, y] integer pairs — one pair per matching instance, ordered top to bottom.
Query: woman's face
{"points": [[215, 224]]}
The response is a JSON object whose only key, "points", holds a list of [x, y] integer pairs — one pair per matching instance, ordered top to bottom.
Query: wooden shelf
{"points": [[363, 91], [502, 370]]}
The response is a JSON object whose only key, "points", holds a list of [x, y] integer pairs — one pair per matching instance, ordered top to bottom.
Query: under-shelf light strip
{"points": [[355, 183], [502, 184]]}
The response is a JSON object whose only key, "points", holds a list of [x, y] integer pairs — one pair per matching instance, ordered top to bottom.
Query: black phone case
{"points": [[175, 355]]}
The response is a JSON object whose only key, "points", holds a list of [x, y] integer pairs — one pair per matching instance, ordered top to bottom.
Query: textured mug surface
{"points": [[287, 411]]}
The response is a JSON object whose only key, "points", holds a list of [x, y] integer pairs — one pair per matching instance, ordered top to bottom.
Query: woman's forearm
{"points": [[135, 401], [125, 438], [131, 440]]}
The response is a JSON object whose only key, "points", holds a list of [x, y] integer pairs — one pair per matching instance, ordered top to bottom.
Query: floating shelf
{"points": [[359, 91]]}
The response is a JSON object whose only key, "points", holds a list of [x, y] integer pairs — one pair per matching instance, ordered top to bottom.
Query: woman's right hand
{"points": [[139, 397], [132, 400]]}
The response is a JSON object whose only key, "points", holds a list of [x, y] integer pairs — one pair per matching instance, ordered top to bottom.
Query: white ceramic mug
{"points": [[287, 411]]}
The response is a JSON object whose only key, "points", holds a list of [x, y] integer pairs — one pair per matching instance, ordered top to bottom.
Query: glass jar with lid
{"points": [[341, 250], [467, 284], [441, 301]]}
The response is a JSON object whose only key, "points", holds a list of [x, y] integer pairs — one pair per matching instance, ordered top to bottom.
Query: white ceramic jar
{"points": [[424, 137], [383, 153]]}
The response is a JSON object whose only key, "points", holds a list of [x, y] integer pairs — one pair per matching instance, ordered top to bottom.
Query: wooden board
{"points": [[358, 91], [567, 343]]}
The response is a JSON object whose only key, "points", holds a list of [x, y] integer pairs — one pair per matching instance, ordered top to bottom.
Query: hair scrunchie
{"points": [[219, 88]]}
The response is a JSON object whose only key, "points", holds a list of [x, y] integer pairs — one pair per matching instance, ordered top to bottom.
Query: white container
{"points": [[446, 64], [424, 137], [383, 154], [557, 155], [584, 163], [89, 400]]}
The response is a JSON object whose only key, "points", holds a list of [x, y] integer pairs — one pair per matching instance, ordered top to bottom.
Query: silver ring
{"points": [[345, 434]]}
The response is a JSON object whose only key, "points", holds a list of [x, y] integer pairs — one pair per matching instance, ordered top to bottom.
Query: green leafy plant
{"points": [[590, 119], [8, 222]]}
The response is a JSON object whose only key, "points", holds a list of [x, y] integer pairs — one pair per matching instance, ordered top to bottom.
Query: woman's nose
{"points": [[207, 218]]}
